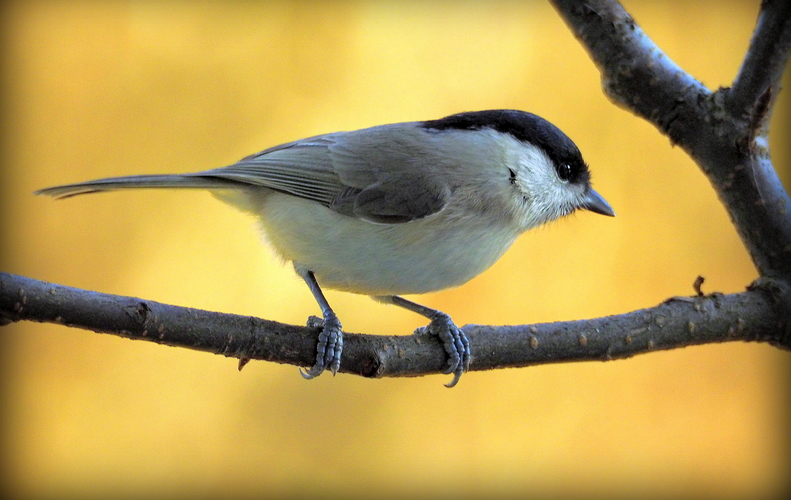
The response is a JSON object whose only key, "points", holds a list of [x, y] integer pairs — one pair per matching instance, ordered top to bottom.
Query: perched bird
{"points": [[405, 208]]}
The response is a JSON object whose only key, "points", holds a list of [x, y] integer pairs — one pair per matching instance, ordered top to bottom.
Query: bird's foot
{"points": [[455, 343], [329, 346]]}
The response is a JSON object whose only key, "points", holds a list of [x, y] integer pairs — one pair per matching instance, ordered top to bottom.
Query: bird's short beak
{"points": [[596, 204]]}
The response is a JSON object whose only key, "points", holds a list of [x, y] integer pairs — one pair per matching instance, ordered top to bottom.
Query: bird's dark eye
{"points": [[565, 171]]}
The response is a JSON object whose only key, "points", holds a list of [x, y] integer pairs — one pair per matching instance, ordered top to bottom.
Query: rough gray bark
{"points": [[725, 132], [679, 322]]}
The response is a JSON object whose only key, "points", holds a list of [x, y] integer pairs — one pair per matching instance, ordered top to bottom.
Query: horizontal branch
{"points": [[754, 315]]}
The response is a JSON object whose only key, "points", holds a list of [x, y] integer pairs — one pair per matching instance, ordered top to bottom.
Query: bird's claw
{"points": [[456, 345], [329, 346]]}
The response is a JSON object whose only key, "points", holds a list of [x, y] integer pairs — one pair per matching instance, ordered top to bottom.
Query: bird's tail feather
{"points": [[191, 181]]}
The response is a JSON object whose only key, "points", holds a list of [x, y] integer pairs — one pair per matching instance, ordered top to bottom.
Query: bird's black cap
{"points": [[525, 127]]}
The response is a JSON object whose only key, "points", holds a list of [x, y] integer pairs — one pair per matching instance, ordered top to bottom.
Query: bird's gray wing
{"points": [[302, 168], [374, 174], [388, 174], [393, 201]]}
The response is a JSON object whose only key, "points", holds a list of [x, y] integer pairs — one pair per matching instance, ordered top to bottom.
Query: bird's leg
{"points": [[452, 337], [330, 344]]}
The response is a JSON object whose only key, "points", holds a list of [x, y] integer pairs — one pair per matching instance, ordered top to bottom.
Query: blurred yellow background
{"points": [[94, 89]]}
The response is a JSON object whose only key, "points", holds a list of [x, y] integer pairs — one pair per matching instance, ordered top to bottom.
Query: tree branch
{"points": [[765, 61], [638, 76], [754, 315]]}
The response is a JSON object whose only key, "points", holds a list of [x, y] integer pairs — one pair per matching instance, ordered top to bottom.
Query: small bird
{"points": [[405, 208]]}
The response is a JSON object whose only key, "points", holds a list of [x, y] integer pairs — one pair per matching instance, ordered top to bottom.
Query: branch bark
{"points": [[765, 61], [720, 130], [723, 131], [754, 315]]}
